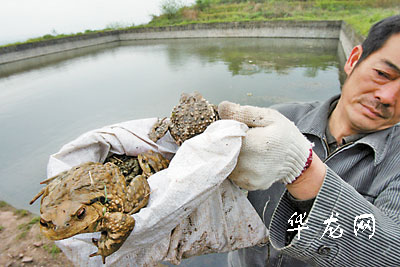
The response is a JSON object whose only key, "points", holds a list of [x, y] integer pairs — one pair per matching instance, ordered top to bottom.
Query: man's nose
{"points": [[389, 93]]}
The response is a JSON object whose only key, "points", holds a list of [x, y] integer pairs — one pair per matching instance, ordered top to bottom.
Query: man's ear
{"points": [[353, 59]]}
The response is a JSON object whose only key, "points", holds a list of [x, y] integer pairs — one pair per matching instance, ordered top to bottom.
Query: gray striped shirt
{"points": [[363, 179]]}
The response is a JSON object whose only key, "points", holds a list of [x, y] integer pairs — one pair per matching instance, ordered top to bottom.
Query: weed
{"points": [[202, 4], [170, 8], [190, 14], [114, 26], [3, 204], [21, 213], [34, 220], [25, 227], [1, 228], [22, 235], [53, 250]]}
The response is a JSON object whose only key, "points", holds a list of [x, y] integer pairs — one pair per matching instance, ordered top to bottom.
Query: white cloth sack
{"points": [[192, 209]]}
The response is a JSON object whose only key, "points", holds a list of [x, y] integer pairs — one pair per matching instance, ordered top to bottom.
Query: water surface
{"points": [[48, 101]]}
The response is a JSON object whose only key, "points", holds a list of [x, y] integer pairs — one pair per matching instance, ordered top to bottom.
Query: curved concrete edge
{"points": [[289, 29], [349, 38], [46, 48]]}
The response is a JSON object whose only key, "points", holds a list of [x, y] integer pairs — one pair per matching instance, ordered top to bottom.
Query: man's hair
{"points": [[379, 33]]}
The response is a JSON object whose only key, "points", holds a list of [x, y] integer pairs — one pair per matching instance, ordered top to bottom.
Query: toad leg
{"points": [[159, 129], [138, 194], [116, 227]]}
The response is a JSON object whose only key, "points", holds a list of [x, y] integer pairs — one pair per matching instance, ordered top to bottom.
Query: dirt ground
{"points": [[22, 243]]}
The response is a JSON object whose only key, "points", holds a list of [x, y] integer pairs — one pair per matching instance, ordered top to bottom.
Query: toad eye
{"points": [[81, 213], [43, 223]]}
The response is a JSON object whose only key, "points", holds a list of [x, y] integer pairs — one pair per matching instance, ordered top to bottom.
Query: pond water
{"points": [[48, 101]]}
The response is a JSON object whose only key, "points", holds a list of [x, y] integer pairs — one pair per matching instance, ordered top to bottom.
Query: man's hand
{"points": [[274, 150]]}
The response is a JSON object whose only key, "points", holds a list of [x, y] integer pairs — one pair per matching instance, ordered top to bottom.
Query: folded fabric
{"points": [[193, 209]]}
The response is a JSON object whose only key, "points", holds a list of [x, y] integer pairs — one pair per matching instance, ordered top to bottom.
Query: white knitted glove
{"points": [[274, 150]]}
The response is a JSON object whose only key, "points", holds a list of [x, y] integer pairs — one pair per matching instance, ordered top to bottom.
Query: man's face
{"points": [[370, 98]]}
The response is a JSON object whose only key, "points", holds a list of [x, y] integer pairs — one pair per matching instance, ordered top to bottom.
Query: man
{"points": [[340, 164]]}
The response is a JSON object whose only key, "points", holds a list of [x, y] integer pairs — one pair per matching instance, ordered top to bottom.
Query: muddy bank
{"points": [[21, 242]]}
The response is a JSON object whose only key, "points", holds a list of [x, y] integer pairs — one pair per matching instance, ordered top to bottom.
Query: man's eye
{"points": [[383, 74]]}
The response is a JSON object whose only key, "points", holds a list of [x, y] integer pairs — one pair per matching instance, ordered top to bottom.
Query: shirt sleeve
{"points": [[300, 207], [342, 228]]}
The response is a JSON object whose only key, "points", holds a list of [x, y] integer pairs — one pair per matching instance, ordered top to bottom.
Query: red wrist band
{"points": [[308, 162], [306, 166]]}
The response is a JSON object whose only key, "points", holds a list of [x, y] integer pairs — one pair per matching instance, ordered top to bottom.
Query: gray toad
{"points": [[190, 117]]}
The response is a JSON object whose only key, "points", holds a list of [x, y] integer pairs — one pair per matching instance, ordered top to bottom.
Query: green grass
{"points": [[360, 14], [53, 36], [3, 204], [21, 212], [25, 227], [53, 250]]}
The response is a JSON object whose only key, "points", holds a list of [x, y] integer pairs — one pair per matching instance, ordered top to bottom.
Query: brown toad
{"points": [[189, 118], [146, 164], [94, 197]]}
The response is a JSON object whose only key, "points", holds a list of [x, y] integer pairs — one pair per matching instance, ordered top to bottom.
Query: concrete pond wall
{"points": [[346, 36]]}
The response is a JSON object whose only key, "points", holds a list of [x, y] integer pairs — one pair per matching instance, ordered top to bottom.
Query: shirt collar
{"points": [[315, 123], [331, 140]]}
